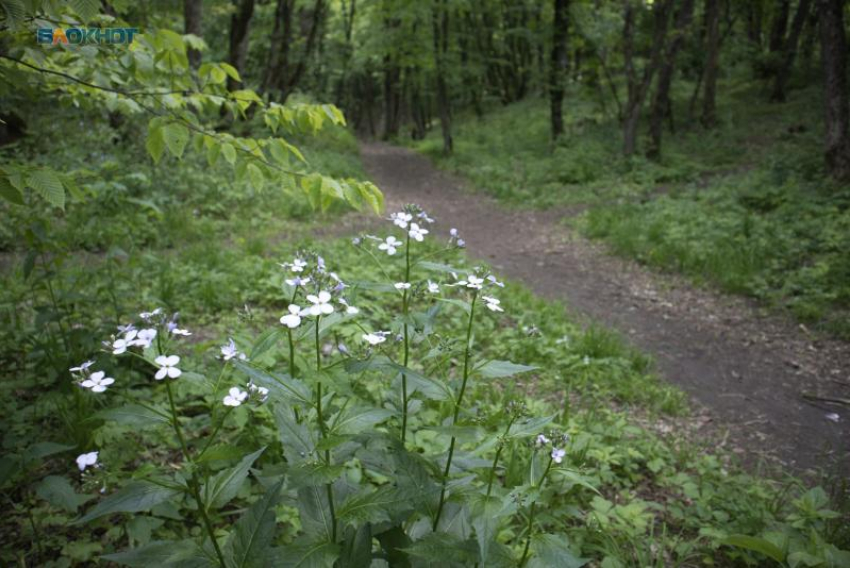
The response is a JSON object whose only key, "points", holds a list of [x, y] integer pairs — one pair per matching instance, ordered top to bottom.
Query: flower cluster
{"points": [[313, 271], [95, 381], [236, 396], [557, 453]]}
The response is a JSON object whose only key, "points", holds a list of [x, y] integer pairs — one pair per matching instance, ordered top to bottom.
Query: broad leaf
{"points": [[176, 137], [48, 185], [498, 369], [133, 414], [353, 420], [529, 426], [297, 439], [224, 486], [59, 492], [136, 497], [249, 543], [756, 544], [357, 549], [444, 549], [551, 550], [183, 553], [322, 554]]}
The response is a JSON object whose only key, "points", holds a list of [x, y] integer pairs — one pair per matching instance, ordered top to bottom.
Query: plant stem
{"points": [[405, 311], [457, 411], [214, 433], [322, 433], [498, 454], [193, 482], [530, 528]]}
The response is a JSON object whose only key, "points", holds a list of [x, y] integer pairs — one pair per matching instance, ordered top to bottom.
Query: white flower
{"points": [[424, 216], [401, 219], [453, 232], [417, 233], [461, 243], [390, 245], [298, 265], [493, 280], [298, 281], [475, 282], [402, 285], [433, 287], [321, 304], [492, 304], [349, 309], [148, 315], [293, 318], [126, 328], [178, 331], [143, 338], [375, 338], [229, 352], [586, 360], [167, 367], [82, 368], [96, 382], [261, 392], [235, 397], [541, 440], [558, 455], [85, 460]]}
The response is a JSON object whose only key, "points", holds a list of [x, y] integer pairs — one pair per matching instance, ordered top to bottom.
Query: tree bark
{"points": [[755, 15], [440, 18], [192, 25], [239, 25], [779, 25], [834, 55], [712, 62], [558, 66], [784, 70], [282, 75], [638, 86], [661, 100]]}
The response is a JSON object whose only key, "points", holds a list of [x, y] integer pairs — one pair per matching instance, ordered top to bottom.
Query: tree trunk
{"points": [[440, 19], [754, 20], [239, 24], [192, 25], [779, 25], [712, 50], [834, 55], [558, 66], [282, 74], [392, 74], [782, 74], [638, 86], [661, 103]]}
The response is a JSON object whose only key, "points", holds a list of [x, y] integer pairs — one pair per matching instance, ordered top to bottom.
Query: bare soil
{"points": [[746, 371]]}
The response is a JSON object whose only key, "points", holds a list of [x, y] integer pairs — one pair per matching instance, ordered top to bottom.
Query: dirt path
{"points": [[748, 370]]}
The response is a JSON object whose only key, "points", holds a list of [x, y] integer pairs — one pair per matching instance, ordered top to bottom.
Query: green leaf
{"points": [[86, 9], [231, 71], [176, 137], [155, 143], [229, 153], [255, 174], [48, 185], [10, 193], [372, 195], [498, 369], [280, 385], [133, 414], [353, 420], [529, 426], [297, 441], [44, 449], [313, 473], [224, 486], [59, 492], [136, 497], [372, 506], [314, 511], [249, 544], [756, 544], [357, 549], [445, 549], [551, 550], [183, 553], [321, 554]]}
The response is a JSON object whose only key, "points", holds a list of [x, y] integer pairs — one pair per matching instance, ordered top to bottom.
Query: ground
{"points": [[752, 374]]}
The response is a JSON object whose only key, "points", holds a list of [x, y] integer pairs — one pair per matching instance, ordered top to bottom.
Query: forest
{"points": [[409, 283]]}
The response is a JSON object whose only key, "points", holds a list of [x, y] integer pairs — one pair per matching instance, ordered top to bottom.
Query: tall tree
{"points": [[782, 8], [440, 19], [240, 22], [192, 25], [790, 50], [834, 55], [712, 63], [558, 66], [282, 74], [638, 84], [661, 100]]}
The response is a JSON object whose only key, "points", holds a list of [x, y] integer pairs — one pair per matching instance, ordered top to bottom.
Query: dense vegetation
{"points": [[203, 369]]}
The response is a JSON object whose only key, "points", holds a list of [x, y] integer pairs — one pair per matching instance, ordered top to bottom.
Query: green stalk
{"points": [[405, 310], [457, 411], [322, 433], [498, 454], [530, 528]]}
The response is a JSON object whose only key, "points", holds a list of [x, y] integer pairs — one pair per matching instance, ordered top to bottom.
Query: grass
{"points": [[746, 207]]}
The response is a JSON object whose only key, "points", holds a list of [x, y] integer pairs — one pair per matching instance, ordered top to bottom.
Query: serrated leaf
{"points": [[86, 9], [176, 137], [155, 143], [229, 153], [48, 185], [10, 193], [498, 369], [133, 414], [353, 420], [297, 439], [224, 485], [59, 492], [136, 497], [372, 506], [314, 511], [253, 533], [357, 549], [444, 549], [183, 553], [322, 554]]}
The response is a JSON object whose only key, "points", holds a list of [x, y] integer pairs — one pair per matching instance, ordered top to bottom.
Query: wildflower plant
{"points": [[373, 440]]}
